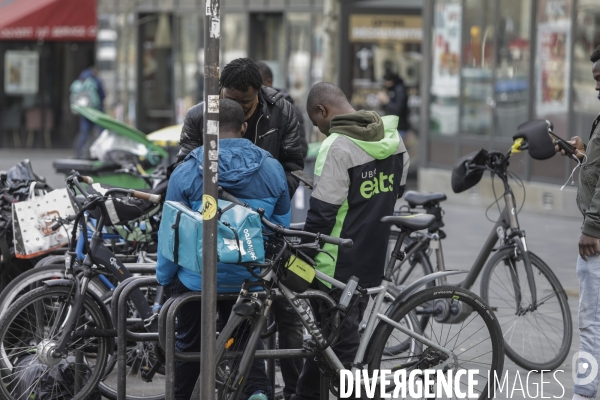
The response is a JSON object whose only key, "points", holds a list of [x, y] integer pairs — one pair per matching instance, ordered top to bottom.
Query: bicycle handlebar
{"points": [[87, 179], [154, 198], [288, 232]]}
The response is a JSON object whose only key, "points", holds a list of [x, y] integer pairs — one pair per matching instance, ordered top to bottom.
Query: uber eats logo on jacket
{"points": [[375, 184]]}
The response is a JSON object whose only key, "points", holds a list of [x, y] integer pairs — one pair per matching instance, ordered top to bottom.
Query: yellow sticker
{"points": [[209, 207]]}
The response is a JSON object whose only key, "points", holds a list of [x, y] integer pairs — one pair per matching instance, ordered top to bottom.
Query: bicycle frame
{"points": [[507, 226], [100, 255], [307, 321]]}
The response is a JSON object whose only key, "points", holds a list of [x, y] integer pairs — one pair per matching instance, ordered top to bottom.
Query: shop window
{"points": [[234, 38], [383, 43], [269, 44], [553, 50], [298, 68], [552, 71], [316, 72], [188, 75], [477, 75], [445, 78], [511, 85], [155, 100]]}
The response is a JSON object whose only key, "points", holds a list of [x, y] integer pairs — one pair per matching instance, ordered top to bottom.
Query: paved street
{"points": [[554, 239]]}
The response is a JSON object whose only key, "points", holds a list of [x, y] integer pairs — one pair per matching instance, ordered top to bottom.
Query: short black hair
{"points": [[595, 56], [265, 71], [241, 74], [324, 93], [231, 115]]}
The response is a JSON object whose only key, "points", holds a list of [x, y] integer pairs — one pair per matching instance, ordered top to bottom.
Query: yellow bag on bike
{"points": [[297, 274]]}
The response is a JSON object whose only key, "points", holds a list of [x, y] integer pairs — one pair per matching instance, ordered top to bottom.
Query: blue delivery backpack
{"points": [[239, 235]]}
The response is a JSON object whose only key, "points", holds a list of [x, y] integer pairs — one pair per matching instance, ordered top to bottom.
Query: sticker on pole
{"points": [[215, 27], [213, 104], [212, 127], [209, 207]]}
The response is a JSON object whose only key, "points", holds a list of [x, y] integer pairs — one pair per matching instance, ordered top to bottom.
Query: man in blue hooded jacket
{"points": [[253, 176]]}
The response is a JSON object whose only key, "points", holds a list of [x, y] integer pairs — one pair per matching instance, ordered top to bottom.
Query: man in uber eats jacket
{"points": [[360, 172]]}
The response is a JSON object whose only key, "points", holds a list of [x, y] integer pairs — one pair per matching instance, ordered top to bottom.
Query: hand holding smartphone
{"points": [[568, 148]]}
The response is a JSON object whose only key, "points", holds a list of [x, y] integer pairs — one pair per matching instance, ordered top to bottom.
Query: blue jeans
{"points": [[85, 129], [588, 274], [187, 339]]}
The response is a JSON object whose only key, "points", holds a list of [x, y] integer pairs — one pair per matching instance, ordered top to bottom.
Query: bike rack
{"points": [[119, 317], [166, 334]]}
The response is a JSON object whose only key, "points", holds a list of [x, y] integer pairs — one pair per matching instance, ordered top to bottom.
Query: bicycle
{"points": [[527, 298], [68, 326], [391, 341]]}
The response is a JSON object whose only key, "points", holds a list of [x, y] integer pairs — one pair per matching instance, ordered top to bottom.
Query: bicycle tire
{"points": [[23, 282], [92, 316], [383, 332], [224, 344], [524, 360]]}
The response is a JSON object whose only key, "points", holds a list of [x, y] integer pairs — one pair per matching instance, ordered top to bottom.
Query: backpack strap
{"points": [[224, 210], [175, 226], [237, 241]]}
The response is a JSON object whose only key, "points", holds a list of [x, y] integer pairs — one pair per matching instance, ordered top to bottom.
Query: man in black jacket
{"points": [[267, 77], [395, 100], [272, 122]]}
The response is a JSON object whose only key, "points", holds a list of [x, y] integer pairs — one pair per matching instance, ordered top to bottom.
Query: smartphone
{"points": [[563, 144], [304, 177]]}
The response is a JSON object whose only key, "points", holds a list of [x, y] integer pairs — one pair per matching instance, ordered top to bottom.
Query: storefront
{"points": [[376, 38], [44, 46], [490, 65], [157, 73]]}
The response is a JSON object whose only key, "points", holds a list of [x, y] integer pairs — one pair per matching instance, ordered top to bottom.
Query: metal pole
{"points": [[212, 34]]}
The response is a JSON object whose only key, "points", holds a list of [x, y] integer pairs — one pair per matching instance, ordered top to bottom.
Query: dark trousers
{"points": [[86, 128], [290, 330], [187, 339], [345, 347]]}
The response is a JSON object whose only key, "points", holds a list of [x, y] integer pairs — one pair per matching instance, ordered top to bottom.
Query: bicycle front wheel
{"points": [[459, 322], [29, 332], [536, 336], [231, 346]]}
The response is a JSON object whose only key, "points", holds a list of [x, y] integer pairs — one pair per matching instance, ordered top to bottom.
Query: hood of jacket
{"points": [[87, 73], [376, 135], [238, 160]]}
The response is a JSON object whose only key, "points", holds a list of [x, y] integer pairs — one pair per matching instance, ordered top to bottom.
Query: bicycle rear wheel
{"points": [[460, 322], [31, 328], [535, 338], [231, 346]]}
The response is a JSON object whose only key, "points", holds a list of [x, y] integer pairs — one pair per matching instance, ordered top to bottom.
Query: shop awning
{"points": [[55, 20]]}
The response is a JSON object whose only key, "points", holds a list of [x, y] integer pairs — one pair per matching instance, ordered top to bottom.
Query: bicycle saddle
{"points": [[420, 199], [414, 222]]}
